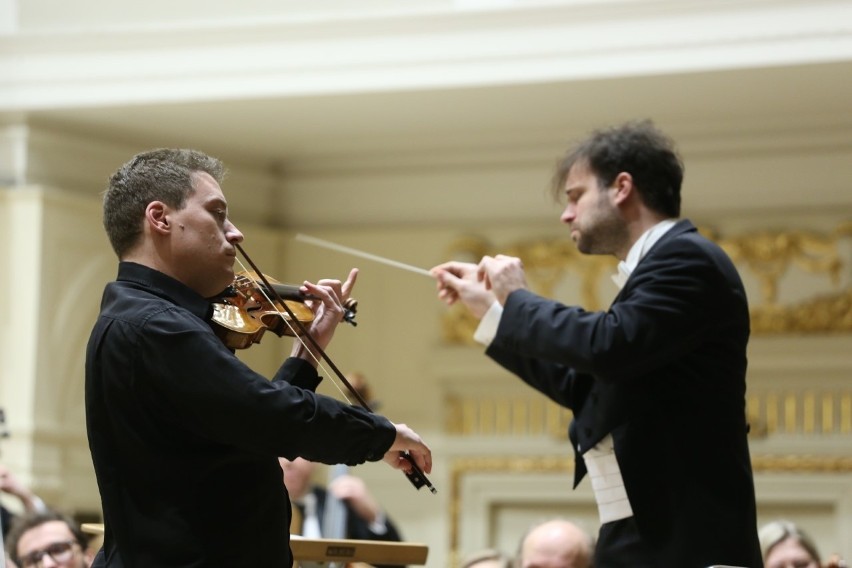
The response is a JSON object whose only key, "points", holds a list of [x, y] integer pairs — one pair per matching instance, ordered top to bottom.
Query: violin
{"points": [[256, 302], [246, 310]]}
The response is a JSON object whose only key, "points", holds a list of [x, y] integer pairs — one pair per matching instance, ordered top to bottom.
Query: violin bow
{"points": [[416, 476]]}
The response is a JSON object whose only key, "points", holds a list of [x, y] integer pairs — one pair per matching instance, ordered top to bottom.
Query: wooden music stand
{"points": [[92, 528], [340, 550], [368, 551]]}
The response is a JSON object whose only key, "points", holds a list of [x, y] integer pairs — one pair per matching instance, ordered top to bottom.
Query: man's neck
{"points": [[644, 220]]}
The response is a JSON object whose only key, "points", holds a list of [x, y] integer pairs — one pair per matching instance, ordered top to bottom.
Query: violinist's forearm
{"points": [[306, 352]]}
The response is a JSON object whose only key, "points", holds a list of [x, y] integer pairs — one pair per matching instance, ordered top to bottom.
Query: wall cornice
{"points": [[416, 49]]}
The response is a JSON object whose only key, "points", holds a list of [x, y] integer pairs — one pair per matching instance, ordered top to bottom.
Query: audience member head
{"points": [[359, 382], [298, 475], [47, 540], [96, 542], [555, 544], [784, 545], [487, 558]]}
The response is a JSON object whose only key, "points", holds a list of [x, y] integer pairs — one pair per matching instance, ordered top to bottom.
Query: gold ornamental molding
{"points": [[769, 256], [554, 264], [802, 411], [484, 415], [795, 463], [509, 465]]}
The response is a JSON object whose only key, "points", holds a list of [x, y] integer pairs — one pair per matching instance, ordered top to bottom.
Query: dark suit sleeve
{"points": [[664, 311], [210, 392], [357, 528]]}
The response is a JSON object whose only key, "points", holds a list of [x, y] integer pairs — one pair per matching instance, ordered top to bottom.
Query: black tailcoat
{"points": [[662, 370]]}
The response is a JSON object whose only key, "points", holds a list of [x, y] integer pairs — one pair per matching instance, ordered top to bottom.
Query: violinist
{"points": [[184, 436]]}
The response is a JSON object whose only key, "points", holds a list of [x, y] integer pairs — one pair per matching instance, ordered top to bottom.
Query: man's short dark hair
{"points": [[641, 150], [166, 175], [29, 521]]}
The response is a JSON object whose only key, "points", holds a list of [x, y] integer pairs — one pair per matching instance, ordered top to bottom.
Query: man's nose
{"points": [[568, 214], [233, 234]]}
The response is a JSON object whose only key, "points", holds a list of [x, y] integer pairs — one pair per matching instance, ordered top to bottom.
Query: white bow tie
{"points": [[620, 277]]}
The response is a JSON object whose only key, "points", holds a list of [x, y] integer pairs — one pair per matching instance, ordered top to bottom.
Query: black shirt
{"points": [[184, 436]]}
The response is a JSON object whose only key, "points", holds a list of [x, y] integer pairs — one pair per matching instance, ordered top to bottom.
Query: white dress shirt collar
{"points": [[639, 249]]}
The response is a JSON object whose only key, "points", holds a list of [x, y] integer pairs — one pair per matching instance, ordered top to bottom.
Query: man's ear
{"points": [[624, 187], [157, 217]]}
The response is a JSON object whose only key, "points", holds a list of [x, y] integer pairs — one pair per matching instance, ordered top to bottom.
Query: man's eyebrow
{"points": [[570, 191]]}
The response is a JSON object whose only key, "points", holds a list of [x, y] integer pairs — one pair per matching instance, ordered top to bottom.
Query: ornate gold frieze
{"points": [[770, 255], [766, 256], [830, 313], [803, 412], [476, 415], [801, 464]]}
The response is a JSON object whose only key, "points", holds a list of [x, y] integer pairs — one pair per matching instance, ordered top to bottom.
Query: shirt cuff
{"points": [[487, 328], [299, 373], [39, 505], [379, 524]]}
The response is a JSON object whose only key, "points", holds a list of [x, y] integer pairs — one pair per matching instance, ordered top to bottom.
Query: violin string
{"points": [[295, 332]]}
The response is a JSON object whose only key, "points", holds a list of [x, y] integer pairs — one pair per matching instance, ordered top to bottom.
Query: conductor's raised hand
{"points": [[502, 275], [460, 281], [407, 440]]}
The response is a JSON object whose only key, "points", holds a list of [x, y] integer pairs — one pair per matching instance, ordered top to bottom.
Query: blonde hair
{"points": [[777, 532]]}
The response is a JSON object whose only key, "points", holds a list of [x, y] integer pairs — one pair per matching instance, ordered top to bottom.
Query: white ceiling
{"points": [[304, 131], [342, 142]]}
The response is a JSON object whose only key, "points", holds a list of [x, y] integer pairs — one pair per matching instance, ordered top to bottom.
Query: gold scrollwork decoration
{"points": [[769, 255]]}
